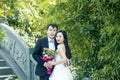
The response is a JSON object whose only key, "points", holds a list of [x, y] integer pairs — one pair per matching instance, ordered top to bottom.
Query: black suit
{"points": [[37, 53]]}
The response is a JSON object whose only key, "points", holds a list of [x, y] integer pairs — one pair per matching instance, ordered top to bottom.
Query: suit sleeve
{"points": [[37, 53]]}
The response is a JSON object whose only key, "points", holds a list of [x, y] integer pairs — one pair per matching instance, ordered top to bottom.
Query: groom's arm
{"points": [[37, 53]]}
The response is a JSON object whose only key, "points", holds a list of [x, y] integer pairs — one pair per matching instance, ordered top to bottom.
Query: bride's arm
{"points": [[63, 56]]}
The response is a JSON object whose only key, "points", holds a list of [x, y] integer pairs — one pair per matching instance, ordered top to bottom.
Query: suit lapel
{"points": [[46, 42]]}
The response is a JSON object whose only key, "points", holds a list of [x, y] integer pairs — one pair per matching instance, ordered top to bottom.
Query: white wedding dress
{"points": [[60, 72]]}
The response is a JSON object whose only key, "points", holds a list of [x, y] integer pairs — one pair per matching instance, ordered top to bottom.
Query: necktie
{"points": [[51, 41], [51, 45]]}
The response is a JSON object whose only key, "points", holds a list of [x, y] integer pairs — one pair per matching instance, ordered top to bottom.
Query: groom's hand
{"points": [[67, 63]]}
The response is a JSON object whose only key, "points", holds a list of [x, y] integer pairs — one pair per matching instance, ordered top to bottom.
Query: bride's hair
{"points": [[68, 51]]}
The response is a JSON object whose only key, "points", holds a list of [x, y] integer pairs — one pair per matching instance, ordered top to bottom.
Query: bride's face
{"points": [[59, 38]]}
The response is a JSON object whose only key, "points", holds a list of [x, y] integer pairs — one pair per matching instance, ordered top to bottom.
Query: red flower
{"points": [[45, 58]]}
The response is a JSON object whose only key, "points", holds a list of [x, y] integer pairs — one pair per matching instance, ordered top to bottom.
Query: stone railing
{"points": [[19, 54], [32, 67]]}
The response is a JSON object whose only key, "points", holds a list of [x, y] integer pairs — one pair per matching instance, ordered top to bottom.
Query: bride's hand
{"points": [[50, 62], [47, 65]]}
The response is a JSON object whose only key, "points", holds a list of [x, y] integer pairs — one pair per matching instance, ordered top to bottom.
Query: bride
{"points": [[60, 71]]}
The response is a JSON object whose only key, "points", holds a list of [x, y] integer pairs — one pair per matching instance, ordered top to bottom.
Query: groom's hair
{"points": [[52, 25]]}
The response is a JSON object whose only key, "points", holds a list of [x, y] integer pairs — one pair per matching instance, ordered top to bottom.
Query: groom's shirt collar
{"points": [[49, 40]]}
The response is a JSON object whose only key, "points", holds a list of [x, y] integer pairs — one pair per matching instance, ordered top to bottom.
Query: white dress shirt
{"points": [[51, 43]]}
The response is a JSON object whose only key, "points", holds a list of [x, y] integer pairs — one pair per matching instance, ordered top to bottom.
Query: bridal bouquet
{"points": [[48, 55]]}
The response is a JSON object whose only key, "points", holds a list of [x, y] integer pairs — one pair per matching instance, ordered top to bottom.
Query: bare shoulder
{"points": [[61, 46]]}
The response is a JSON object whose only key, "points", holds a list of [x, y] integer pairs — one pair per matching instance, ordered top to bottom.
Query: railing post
{"points": [[32, 67]]}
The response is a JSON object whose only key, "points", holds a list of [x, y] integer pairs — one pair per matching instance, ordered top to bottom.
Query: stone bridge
{"points": [[17, 56]]}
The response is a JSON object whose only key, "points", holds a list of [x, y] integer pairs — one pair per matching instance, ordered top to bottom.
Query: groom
{"points": [[46, 42]]}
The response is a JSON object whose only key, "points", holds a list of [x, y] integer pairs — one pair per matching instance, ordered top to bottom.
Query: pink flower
{"points": [[48, 55], [46, 59]]}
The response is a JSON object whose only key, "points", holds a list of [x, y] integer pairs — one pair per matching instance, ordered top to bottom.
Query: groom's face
{"points": [[51, 32]]}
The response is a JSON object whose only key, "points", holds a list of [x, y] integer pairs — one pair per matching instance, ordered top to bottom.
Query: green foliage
{"points": [[92, 27], [2, 34]]}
